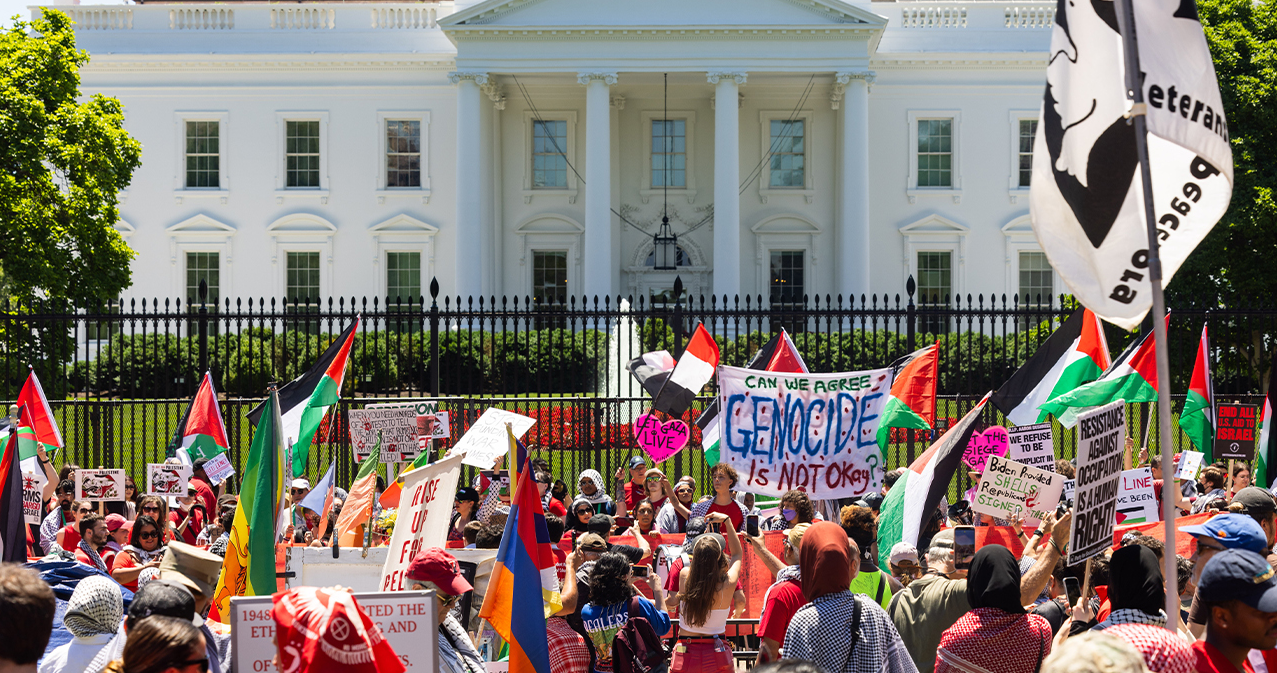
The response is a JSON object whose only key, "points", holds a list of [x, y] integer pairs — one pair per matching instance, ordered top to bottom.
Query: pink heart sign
{"points": [[661, 440], [992, 442]]}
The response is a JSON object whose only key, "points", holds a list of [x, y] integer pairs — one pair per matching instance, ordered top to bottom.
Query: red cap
{"points": [[114, 521], [439, 567]]}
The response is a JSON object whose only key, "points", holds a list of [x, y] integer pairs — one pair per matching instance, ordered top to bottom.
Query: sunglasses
{"points": [[656, 479], [294, 491], [151, 508], [85, 510], [579, 512], [148, 535], [445, 599], [203, 664]]}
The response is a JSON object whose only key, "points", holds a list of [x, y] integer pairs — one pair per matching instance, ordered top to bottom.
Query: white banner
{"points": [[1087, 196], [814, 432], [1101, 432], [486, 440], [1033, 445], [167, 479], [1007, 487], [1136, 500], [425, 507]]}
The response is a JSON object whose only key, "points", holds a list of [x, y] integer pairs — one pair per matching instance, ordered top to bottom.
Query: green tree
{"points": [[1233, 265]]}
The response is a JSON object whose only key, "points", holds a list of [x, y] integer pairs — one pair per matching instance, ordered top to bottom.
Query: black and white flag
{"points": [[1086, 198]]}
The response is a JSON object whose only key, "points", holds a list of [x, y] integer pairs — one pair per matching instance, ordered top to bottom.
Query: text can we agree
{"points": [[816, 432]]}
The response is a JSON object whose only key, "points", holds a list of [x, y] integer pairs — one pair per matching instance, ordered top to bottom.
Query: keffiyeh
{"points": [[600, 496], [144, 556], [94, 557], [95, 608], [819, 632], [989, 640], [1162, 650]]}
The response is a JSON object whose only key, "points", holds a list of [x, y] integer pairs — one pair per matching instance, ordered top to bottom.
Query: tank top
{"points": [[873, 585], [715, 624]]}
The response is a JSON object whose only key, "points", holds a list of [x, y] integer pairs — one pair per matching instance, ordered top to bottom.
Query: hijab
{"points": [[600, 494], [573, 521], [825, 560], [994, 580], [1135, 582], [95, 608]]}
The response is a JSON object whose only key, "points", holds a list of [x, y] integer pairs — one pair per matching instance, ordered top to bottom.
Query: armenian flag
{"points": [[524, 575]]}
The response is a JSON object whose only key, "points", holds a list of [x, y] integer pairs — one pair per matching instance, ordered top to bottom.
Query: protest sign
{"points": [[431, 423], [436, 426], [397, 427], [1235, 431], [814, 432], [1101, 432], [661, 439], [486, 440], [992, 442], [1033, 445], [1189, 463], [219, 468], [167, 478], [100, 485], [1070, 485], [1007, 488], [31, 498], [1136, 500], [425, 507], [407, 620]]}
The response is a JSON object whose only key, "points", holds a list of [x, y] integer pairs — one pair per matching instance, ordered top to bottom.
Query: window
{"points": [[1028, 129], [301, 153], [403, 153], [669, 153], [935, 153], [788, 154], [203, 158], [549, 159], [681, 258], [202, 266], [787, 276], [549, 277], [403, 278], [1036, 280], [935, 285], [302, 293], [103, 330]]}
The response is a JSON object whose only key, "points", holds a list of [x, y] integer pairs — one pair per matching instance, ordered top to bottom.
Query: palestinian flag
{"points": [[1074, 354], [777, 355], [694, 369], [1133, 377], [304, 400], [912, 400], [1197, 418], [36, 427], [201, 433], [1266, 449], [909, 504], [13, 528], [249, 565]]}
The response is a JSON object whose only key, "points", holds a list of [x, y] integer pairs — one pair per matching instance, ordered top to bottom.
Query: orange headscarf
{"points": [[825, 560]]}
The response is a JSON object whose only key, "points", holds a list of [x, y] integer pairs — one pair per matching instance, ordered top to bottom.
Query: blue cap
{"points": [[637, 461], [1234, 531], [1238, 574]]}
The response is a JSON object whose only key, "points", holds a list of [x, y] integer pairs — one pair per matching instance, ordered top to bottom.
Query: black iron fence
{"points": [[119, 376]]}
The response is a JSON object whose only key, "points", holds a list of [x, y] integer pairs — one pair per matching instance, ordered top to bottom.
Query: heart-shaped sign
{"points": [[661, 439], [992, 442]]}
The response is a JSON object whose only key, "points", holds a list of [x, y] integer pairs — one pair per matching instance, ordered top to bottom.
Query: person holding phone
{"points": [[188, 518], [707, 586], [613, 602], [930, 604]]}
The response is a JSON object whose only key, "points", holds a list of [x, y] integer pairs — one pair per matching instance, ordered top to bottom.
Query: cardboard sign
{"points": [[431, 423], [436, 426], [396, 427], [1235, 429], [813, 432], [1101, 432], [661, 439], [486, 440], [993, 441], [1033, 445], [1189, 463], [219, 468], [167, 478], [100, 485], [1070, 486], [1007, 487], [31, 500], [1136, 500], [425, 507], [407, 620]]}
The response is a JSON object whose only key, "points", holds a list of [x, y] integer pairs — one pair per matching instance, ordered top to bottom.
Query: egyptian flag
{"points": [[1074, 354], [777, 355], [694, 369], [651, 370], [1133, 378], [304, 400], [912, 401], [1197, 418], [36, 427], [201, 433], [1266, 450], [909, 504], [13, 529]]}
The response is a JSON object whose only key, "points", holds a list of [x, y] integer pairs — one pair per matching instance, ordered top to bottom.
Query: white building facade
{"points": [[531, 147]]}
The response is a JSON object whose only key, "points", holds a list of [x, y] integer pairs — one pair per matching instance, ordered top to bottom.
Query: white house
{"points": [[530, 147]]}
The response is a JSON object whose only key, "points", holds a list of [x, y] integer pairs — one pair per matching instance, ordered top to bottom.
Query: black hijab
{"points": [[994, 580], [1135, 581]]}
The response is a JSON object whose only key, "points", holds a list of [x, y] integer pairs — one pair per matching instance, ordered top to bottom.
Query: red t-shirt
{"points": [[633, 494], [206, 496], [556, 508], [733, 512], [192, 529], [71, 537], [560, 563], [780, 603], [1210, 660]]}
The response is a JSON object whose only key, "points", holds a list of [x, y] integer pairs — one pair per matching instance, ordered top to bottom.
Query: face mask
{"points": [[789, 514]]}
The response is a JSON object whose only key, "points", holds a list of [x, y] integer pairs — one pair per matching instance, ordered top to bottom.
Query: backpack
{"points": [[637, 648]]}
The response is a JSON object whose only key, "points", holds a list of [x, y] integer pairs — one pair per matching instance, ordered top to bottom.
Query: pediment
{"points": [[660, 13], [301, 223], [201, 224], [404, 224], [550, 224], [786, 224], [934, 224], [1020, 226], [124, 229]]}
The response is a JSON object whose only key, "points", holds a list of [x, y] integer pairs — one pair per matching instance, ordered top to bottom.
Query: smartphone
{"points": [[623, 521], [751, 525], [713, 527], [963, 546], [641, 571], [1072, 589]]}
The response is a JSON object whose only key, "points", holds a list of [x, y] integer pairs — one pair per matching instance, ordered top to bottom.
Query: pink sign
{"points": [[661, 440], [991, 442]]}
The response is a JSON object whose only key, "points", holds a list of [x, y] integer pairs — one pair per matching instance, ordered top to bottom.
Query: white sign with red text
{"points": [[425, 507]]}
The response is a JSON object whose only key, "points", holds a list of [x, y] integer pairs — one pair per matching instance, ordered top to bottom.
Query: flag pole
{"points": [[1135, 91]]}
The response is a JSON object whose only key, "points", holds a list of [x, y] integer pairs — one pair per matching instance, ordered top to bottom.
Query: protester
{"points": [[724, 478], [890, 478], [1241, 478], [1212, 479], [590, 483], [202, 484], [658, 488], [559, 489], [630, 491], [131, 497], [549, 503], [1259, 505], [157, 508], [795, 508], [464, 509], [673, 515], [59, 516], [189, 517], [578, 521], [225, 523], [554, 525], [696, 526], [862, 527], [118, 529], [1225, 531], [471, 533], [69, 536], [93, 538], [144, 550], [904, 562], [198, 570], [436, 570], [708, 585], [576, 590], [1135, 590], [1239, 594], [783, 598], [613, 602], [929, 605], [27, 607], [93, 615], [325, 630], [837, 630], [997, 634], [160, 645], [1163, 651], [569, 652], [1092, 652]]}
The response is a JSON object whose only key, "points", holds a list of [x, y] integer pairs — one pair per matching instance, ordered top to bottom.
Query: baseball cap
{"points": [[637, 461], [199, 464], [301, 483], [466, 493], [871, 500], [1255, 501], [502, 510], [114, 521], [600, 523], [696, 526], [1234, 531], [795, 535], [944, 539], [591, 542], [902, 552], [193, 567], [440, 568], [1240, 574], [162, 597]]}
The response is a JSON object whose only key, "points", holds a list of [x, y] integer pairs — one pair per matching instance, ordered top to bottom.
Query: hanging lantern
{"points": [[666, 247]]}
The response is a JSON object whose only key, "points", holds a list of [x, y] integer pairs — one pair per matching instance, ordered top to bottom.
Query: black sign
{"points": [[1235, 428]]}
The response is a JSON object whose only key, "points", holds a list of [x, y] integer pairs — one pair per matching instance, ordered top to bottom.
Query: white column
{"points": [[469, 179], [727, 182], [853, 221], [597, 250]]}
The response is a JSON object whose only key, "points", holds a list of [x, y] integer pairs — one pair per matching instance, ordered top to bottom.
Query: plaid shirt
{"points": [[568, 652]]}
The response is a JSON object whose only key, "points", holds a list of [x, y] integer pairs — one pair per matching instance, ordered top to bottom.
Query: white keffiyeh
{"points": [[819, 633]]}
